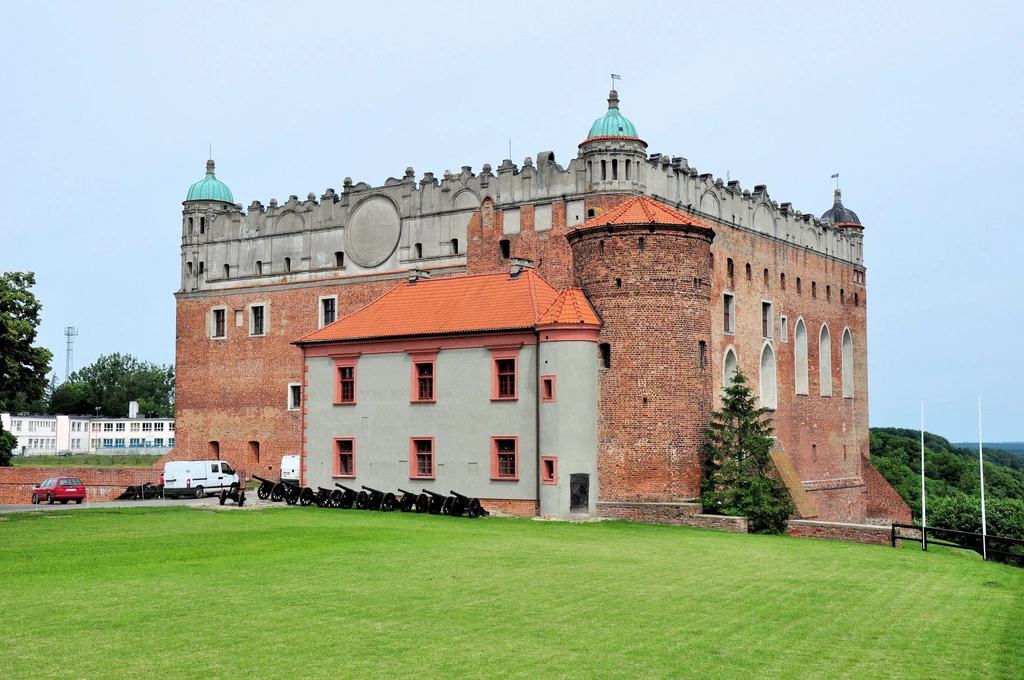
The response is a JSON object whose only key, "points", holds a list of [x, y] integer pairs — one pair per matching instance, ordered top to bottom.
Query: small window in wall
{"points": [[615, 168], [627, 169], [604, 170], [590, 171], [591, 213], [202, 225], [190, 226], [641, 243], [455, 246], [505, 248], [417, 250], [339, 259], [287, 264], [202, 267], [188, 268], [259, 268], [227, 271], [730, 272], [748, 273], [766, 279], [782, 281], [618, 283], [798, 286], [814, 289], [828, 293], [842, 297], [856, 299], [328, 310], [728, 313], [239, 318], [257, 320], [766, 320], [784, 322], [219, 329], [702, 349], [606, 355], [800, 356], [825, 361], [847, 364], [729, 367], [423, 374], [504, 376], [345, 384], [547, 388], [294, 396], [769, 397], [214, 450], [254, 451], [344, 458], [421, 458], [504, 459], [549, 467]]}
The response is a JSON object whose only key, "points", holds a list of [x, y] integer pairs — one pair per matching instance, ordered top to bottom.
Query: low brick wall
{"points": [[102, 483], [884, 504], [509, 507], [676, 514], [840, 531]]}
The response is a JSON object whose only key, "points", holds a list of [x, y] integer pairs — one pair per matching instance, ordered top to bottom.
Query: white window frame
{"points": [[729, 299], [320, 309], [771, 320], [252, 321], [213, 324], [783, 328], [291, 406]]}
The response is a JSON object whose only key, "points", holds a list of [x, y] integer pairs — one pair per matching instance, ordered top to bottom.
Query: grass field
{"points": [[88, 460], [304, 592]]}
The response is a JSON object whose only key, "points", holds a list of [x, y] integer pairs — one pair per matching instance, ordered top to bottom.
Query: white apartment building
{"points": [[40, 435]]}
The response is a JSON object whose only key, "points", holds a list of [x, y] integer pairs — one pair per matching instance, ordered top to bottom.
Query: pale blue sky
{"points": [[106, 111]]}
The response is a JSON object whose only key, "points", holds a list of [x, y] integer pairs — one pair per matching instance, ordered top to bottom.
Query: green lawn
{"points": [[88, 460], [305, 592]]}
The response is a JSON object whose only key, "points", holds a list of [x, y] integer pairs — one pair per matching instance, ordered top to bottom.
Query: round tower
{"points": [[612, 154], [206, 200], [842, 217], [647, 270]]}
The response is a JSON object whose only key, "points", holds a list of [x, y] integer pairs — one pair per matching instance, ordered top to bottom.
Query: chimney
{"points": [[517, 265], [418, 275], [133, 409]]}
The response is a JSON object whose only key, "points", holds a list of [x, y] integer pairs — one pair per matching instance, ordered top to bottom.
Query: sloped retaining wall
{"points": [[101, 483], [677, 514], [840, 531]]}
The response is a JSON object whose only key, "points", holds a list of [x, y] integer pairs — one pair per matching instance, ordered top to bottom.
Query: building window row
{"points": [[504, 457]]}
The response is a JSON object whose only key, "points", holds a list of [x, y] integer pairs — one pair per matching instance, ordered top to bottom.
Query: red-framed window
{"points": [[504, 373], [424, 377], [345, 380], [547, 388], [344, 457], [421, 458], [505, 459], [549, 470]]}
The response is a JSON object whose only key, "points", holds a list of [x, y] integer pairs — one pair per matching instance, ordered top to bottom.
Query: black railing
{"points": [[997, 548]]}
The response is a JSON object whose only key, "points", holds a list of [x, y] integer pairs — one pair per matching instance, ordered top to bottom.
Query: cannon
{"points": [[268, 489], [142, 492], [237, 494], [323, 497], [346, 498], [384, 501], [411, 501], [439, 503], [470, 507]]}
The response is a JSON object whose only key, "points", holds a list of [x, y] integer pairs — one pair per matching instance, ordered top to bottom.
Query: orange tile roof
{"points": [[643, 210], [460, 304], [571, 306]]}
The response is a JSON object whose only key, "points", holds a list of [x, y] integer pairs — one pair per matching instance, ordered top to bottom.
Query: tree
{"points": [[23, 368], [111, 382], [8, 442], [739, 475]]}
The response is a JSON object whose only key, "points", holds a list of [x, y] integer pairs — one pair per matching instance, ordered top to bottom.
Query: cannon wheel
{"points": [[263, 493], [277, 493], [291, 495], [223, 496], [307, 496], [241, 497], [335, 499], [348, 499], [362, 500], [407, 502], [388, 503], [422, 503], [436, 505], [475, 509]]}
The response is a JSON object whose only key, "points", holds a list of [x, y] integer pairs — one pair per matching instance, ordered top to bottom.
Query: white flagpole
{"points": [[981, 468], [924, 511]]}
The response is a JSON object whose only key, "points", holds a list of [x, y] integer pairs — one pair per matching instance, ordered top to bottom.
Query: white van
{"points": [[290, 469], [198, 477]]}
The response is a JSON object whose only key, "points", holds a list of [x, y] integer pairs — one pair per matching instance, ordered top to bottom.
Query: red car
{"points": [[61, 489]]}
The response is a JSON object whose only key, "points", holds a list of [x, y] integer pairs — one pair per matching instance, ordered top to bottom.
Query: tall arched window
{"points": [[800, 356], [825, 361], [847, 364], [729, 366], [769, 398]]}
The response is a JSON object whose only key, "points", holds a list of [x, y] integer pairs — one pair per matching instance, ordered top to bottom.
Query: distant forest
{"points": [[1012, 447]]}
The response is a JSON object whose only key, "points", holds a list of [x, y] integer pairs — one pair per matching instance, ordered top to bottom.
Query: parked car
{"points": [[64, 454], [198, 478], [61, 489]]}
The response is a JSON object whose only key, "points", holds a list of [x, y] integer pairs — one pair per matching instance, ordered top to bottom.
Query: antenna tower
{"points": [[70, 332]]}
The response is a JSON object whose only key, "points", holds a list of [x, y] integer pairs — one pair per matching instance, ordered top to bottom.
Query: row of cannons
{"points": [[346, 498]]}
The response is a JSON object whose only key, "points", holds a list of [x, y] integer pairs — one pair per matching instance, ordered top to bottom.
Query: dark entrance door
{"points": [[579, 493]]}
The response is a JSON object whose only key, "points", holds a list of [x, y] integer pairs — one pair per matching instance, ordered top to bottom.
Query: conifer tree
{"points": [[739, 475]]}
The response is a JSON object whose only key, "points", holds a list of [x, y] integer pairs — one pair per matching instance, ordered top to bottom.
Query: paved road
{"points": [[211, 500]]}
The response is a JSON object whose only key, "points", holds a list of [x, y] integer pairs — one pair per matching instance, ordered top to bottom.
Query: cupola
{"points": [[613, 123], [210, 188], [839, 215]]}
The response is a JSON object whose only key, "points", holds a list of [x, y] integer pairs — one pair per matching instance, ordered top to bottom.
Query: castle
{"points": [[657, 281]]}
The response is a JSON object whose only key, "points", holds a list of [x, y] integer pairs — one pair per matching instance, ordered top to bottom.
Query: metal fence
{"points": [[996, 548]]}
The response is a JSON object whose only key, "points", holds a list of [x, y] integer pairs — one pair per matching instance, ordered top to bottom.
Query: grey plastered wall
{"points": [[462, 421], [568, 426]]}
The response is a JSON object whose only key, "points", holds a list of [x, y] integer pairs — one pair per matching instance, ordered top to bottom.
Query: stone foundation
{"points": [[676, 514]]}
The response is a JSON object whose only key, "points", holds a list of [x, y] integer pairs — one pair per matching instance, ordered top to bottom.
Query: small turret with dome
{"points": [[613, 123], [614, 157], [210, 188], [839, 215]]}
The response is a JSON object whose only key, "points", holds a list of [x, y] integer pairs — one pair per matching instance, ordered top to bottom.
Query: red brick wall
{"points": [[655, 397], [825, 437], [102, 483], [884, 504], [509, 506], [679, 514], [840, 531]]}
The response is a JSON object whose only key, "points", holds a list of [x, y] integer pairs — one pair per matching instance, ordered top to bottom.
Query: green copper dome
{"points": [[613, 123], [210, 188]]}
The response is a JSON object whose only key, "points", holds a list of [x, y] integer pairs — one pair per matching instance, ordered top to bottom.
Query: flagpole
{"points": [[981, 469], [924, 511]]}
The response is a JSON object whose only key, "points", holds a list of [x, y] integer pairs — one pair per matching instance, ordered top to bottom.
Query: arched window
{"points": [[615, 168], [604, 169], [627, 169], [590, 171], [190, 225], [202, 225], [455, 246], [505, 248], [418, 250], [339, 259], [287, 264], [188, 267], [259, 268], [227, 271], [766, 278], [782, 281], [606, 355], [800, 356], [825, 361], [847, 364], [729, 366], [769, 397]]}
